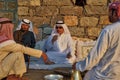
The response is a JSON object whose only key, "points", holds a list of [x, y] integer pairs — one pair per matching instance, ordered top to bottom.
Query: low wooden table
{"points": [[38, 74]]}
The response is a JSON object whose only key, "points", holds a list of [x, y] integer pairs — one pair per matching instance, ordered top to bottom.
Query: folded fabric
{"points": [[37, 63]]}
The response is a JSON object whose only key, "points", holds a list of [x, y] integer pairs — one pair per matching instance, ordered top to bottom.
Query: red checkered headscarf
{"points": [[115, 6], [6, 29]]}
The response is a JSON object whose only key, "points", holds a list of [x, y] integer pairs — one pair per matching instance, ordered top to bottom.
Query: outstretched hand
{"points": [[54, 38], [69, 55], [46, 60], [49, 62], [74, 66]]}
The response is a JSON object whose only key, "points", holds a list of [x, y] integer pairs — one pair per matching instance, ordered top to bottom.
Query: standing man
{"points": [[25, 36], [103, 62]]}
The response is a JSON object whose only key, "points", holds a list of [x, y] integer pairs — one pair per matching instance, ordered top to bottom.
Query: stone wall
{"points": [[9, 9], [83, 22]]}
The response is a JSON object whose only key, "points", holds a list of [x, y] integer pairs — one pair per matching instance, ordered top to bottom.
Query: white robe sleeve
{"points": [[96, 53]]}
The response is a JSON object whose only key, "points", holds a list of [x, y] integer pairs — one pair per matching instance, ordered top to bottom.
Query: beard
{"points": [[113, 19]]}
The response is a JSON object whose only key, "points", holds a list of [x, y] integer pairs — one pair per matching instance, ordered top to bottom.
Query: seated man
{"points": [[58, 46], [11, 54]]}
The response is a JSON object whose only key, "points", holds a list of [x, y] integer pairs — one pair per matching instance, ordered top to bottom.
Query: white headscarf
{"points": [[25, 21], [61, 23]]}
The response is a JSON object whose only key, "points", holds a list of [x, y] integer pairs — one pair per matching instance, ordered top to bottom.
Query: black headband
{"points": [[3, 22], [25, 22], [60, 22]]}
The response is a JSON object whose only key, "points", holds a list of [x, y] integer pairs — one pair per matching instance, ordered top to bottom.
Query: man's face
{"points": [[113, 17], [25, 27], [59, 29]]}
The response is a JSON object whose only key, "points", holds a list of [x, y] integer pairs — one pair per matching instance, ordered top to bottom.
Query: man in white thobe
{"points": [[59, 44], [103, 62]]}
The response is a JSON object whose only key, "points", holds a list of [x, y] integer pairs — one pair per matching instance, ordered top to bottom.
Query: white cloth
{"points": [[21, 22], [30, 27], [66, 31], [58, 50], [12, 59], [104, 59], [39, 64]]}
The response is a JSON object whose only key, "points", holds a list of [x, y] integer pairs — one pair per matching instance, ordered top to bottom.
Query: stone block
{"points": [[23, 2], [35, 2], [57, 2], [96, 2], [1, 5], [12, 5], [23, 10], [71, 10], [93, 10], [46, 11], [31, 12], [7, 14], [40, 20], [71, 20], [104, 20], [88, 21], [76, 31], [93, 31]]}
